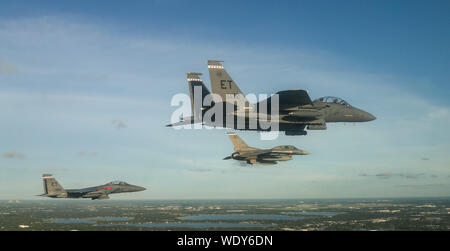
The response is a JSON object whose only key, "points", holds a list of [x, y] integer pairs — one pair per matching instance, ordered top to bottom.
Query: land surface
{"points": [[287, 215]]}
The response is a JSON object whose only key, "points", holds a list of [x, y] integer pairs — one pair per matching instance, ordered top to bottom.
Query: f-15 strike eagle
{"points": [[296, 110], [261, 156], [53, 189]]}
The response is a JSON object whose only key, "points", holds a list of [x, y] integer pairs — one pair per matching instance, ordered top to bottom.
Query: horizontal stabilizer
{"points": [[184, 121]]}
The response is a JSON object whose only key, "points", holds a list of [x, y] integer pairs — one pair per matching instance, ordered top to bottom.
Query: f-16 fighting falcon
{"points": [[294, 110], [261, 156], [53, 189]]}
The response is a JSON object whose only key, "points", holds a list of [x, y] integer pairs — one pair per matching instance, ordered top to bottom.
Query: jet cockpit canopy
{"points": [[330, 99], [285, 148], [117, 182]]}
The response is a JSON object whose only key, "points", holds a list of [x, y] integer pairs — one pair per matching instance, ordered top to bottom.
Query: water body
{"points": [[328, 214], [239, 217], [113, 218], [89, 220], [209, 220], [72, 221], [199, 225]]}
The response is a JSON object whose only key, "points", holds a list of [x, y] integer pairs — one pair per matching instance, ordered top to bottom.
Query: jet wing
{"points": [[289, 99], [184, 121], [180, 123], [254, 153], [272, 154], [80, 192], [96, 195], [101, 197]]}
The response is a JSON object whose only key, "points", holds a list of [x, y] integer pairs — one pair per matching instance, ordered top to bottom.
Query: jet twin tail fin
{"points": [[222, 84], [197, 91], [51, 186]]}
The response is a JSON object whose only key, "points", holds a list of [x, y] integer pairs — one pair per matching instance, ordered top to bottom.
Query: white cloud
{"points": [[6, 68], [439, 113], [119, 124], [13, 154]]}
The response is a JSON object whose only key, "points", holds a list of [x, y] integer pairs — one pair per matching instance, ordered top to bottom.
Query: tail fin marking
{"points": [[222, 84], [51, 186]]}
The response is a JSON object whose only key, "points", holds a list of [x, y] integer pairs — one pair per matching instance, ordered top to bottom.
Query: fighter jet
{"points": [[296, 109], [261, 156], [53, 189]]}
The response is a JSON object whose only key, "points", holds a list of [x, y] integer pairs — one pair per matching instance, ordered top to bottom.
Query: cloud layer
{"points": [[77, 77]]}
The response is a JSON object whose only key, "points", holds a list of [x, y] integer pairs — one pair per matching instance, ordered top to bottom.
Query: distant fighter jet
{"points": [[296, 109], [261, 156], [53, 189]]}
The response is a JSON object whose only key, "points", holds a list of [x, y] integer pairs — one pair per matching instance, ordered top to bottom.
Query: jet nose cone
{"points": [[365, 116], [370, 117], [138, 189]]}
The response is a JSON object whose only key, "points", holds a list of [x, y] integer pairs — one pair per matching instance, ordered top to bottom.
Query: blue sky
{"points": [[70, 73]]}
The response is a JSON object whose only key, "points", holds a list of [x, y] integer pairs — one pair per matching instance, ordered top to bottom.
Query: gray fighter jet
{"points": [[296, 109], [261, 156], [53, 189]]}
